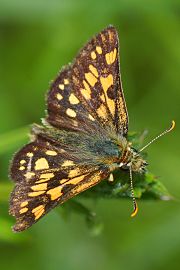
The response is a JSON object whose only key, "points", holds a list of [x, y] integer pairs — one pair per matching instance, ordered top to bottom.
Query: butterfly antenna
{"points": [[160, 135], [135, 206]]}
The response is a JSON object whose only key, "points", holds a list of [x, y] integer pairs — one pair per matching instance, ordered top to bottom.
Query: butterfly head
{"points": [[133, 159], [137, 163]]}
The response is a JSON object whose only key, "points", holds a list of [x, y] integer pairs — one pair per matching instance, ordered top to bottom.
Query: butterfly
{"points": [[83, 138]]}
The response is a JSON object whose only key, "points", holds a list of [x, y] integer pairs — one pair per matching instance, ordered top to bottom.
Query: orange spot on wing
{"points": [[93, 70], [92, 80], [106, 83], [39, 187], [35, 193], [55, 193], [23, 210], [38, 211]]}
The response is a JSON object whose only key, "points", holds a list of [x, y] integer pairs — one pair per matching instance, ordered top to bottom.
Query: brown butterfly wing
{"points": [[88, 94], [46, 175]]}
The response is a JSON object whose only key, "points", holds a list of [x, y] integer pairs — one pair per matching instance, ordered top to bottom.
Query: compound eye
{"points": [[134, 150], [145, 163]]}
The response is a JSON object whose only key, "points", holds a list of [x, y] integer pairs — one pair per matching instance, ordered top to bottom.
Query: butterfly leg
{"points": [[111, 178]]}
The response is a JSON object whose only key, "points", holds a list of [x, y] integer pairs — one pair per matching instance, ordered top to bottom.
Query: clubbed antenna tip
{"points": [[160, 135], [134, 213]]}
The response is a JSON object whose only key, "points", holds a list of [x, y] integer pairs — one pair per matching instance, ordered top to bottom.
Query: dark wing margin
{"points": [[45, 176]]}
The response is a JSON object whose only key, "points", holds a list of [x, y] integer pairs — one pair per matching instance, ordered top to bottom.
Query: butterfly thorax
{"points": [[129, 156]]}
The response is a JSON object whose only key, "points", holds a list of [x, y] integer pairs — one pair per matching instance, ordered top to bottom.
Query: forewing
{"points": [[96, 80], [87, 95], [45, 176]]}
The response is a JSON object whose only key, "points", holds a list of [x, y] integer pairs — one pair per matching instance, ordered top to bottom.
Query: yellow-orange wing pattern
{"points": [[96, 81], [65, 109], [76, 148], [47, 174]]}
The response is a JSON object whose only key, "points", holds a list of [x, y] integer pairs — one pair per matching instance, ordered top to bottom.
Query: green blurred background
{"points": [[36, 39]]}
